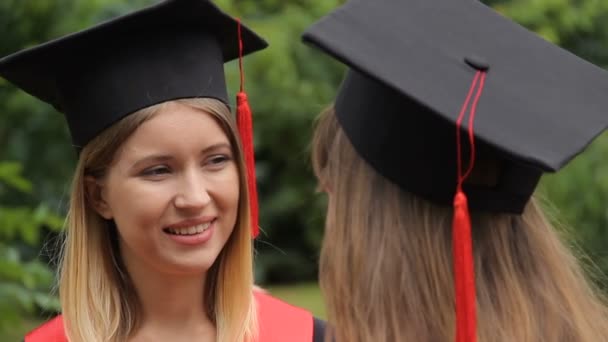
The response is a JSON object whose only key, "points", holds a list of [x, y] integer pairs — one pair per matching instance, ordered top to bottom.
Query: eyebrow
{"points": [[159, 158]]}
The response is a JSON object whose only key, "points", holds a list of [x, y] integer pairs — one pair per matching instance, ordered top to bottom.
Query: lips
{"points": [[191, 227], [199, 228]]}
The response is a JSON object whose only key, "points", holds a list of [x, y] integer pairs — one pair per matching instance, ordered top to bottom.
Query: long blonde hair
{"points": [[386, 264], [98, 301]]}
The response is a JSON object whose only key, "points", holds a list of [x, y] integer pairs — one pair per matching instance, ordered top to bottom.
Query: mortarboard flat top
{"points": [[171, 50], [410, 69]]}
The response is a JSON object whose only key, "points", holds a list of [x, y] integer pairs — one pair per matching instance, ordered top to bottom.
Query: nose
{"points": [[192, 192]]}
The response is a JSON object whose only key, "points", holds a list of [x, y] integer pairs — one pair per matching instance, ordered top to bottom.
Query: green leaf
{"points": [[10, 173]]}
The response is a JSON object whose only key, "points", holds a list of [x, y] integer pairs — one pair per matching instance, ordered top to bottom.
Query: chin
{"points": [[190, 265]]}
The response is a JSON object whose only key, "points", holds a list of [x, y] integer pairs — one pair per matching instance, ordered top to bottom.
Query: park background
{"points": [[288, 84]]}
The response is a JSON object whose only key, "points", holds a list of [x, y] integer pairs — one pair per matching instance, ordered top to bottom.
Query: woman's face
{"points": [[173, 192]]}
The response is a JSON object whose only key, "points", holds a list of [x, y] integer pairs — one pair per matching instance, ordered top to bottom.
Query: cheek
{"points": [[226, 192], [230, 193], [138, 205]]}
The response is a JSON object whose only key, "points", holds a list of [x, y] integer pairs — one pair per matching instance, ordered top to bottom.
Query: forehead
{"points": [[175, 128]]}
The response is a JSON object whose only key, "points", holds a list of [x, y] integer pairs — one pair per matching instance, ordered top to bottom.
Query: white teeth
{"points": [[199, 228]]}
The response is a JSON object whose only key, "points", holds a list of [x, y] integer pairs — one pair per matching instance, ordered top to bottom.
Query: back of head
{"points": [[431, 205], [386, 262]]}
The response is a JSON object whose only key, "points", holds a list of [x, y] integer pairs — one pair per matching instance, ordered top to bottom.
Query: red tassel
{"points": [[245, 125], [464, 267], [464, 276]]}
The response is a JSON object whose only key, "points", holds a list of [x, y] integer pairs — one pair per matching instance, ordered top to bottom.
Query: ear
{"points": [[95, 196]]}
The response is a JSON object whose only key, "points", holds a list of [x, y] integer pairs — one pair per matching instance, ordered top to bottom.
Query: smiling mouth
{"points": [[193, 230]]}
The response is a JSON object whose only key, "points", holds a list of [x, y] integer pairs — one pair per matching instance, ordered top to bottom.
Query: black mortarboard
{"points": [[174, 49], [417, 67], [410, 69]]}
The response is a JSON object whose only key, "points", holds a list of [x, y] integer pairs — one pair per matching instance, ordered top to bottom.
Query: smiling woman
{"points": [[158, 240]]}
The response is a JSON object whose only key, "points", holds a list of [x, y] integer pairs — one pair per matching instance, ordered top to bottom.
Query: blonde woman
{"points": [[447, 117], [158, 243]]}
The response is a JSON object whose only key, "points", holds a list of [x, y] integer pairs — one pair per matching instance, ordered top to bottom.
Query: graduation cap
{"points": [[171, 50], [439, 90]]}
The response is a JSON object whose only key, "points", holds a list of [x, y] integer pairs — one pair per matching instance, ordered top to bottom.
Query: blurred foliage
{"points": [[288, 84], [25, 279]]}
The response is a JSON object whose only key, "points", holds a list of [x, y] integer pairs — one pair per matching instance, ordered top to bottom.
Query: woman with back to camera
{"points": [[439, 134]]}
